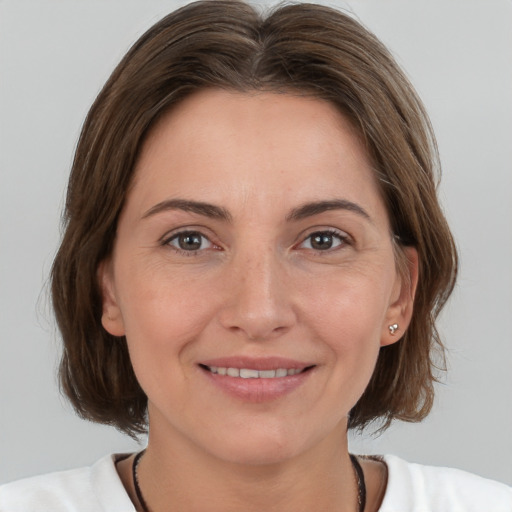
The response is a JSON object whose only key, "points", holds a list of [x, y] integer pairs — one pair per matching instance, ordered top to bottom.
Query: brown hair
{"points": [[227, 44]]}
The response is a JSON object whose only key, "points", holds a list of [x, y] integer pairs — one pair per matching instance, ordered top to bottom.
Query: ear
{"points": [[400, 310], [111, 318]]}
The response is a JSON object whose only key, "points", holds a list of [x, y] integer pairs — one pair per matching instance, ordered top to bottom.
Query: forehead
{"points": [[219, 145]]}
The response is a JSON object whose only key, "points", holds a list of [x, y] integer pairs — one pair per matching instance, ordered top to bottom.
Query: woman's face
{"points": [[253, 275]]}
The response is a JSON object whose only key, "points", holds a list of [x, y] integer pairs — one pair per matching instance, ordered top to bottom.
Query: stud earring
{"points": [[393, 328]]}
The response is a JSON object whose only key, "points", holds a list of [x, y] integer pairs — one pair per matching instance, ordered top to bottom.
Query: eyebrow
{"points": [[315, 208], [205, 209], [217, 212]]}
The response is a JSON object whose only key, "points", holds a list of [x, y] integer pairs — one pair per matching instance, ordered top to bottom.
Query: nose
{"points": [[258, 303]]}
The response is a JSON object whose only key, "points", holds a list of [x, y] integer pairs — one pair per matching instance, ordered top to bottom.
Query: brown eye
{"points": [[190, 241], [323, 241]]}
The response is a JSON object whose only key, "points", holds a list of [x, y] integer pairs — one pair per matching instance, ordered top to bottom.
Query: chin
{"points": [[260, 446], [258, 454]]}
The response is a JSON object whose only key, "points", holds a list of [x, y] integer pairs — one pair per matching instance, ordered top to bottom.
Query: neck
{"points": [[321, 478]]}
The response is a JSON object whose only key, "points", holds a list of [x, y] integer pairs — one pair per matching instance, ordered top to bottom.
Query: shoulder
{"points": [[96, 488], [414, 488]]}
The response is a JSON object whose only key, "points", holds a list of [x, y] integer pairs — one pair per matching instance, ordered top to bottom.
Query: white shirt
{"points": [[411, 488]]}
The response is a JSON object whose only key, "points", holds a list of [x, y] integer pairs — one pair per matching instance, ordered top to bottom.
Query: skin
{"points": [[257, 286]]}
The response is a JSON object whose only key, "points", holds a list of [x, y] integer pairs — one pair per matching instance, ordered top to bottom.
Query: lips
{"points": [[256, 379]]}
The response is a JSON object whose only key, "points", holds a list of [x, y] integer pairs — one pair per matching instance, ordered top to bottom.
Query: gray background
{"points": [[55, 55]]}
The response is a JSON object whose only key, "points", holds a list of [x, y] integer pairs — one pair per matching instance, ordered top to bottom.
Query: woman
{"points": [[253, 261]]}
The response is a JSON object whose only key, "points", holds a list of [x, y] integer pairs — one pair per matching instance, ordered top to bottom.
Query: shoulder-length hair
{"points": [[305, 48]]}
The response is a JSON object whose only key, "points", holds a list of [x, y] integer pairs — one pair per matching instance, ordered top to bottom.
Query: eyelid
{"points": [[194, 228], [324, 229], [204, 232], [178, 235], [344, 237], [165, 240]]}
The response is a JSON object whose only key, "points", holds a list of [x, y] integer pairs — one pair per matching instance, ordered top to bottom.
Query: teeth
{"points": [[249, 373]]}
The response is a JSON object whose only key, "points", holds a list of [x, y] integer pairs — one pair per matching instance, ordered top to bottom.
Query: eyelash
{"points": [[343, 238], [195, 252]]}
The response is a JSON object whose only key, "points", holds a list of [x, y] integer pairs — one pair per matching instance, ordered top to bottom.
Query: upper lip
{"points": [[256, 363]]}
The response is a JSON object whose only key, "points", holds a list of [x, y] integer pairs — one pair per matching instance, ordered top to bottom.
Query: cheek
{"points": [[154, 295], [351, 306], [162, 313], [346, 314]]}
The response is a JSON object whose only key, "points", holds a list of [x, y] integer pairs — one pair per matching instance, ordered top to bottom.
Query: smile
{"points": [[249, 373], [256, 380]]}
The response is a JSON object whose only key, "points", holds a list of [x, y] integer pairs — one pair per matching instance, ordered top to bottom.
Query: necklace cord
{"points": [[135, 478], [361, 484]]}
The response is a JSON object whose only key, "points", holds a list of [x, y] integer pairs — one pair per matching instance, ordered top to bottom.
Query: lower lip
{"points": [[257, 390]]}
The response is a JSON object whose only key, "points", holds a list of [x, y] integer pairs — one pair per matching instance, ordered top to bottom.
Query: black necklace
{"points": [[135, 477], [361, 484]]}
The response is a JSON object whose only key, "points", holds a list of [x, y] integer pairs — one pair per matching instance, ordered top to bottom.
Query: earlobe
{"points": [[400, 311], [111, 318]]}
